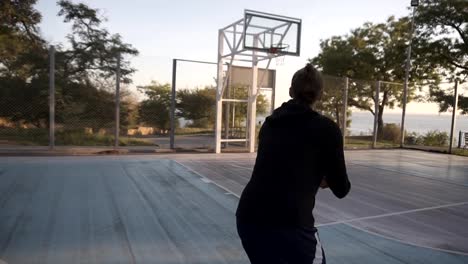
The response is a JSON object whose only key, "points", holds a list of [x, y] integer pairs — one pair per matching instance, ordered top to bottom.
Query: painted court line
{"points": [[242, 167], [409, 174], [206, 179], [393, 214], [407, 242]]}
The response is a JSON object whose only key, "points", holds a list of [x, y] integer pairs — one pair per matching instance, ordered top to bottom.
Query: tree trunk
{"points": [[337, 114], [380, 122]]}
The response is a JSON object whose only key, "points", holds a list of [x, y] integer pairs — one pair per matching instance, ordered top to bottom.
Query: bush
{"points": [[391, 132], [413, 138], [432, 138], [435, 138]]}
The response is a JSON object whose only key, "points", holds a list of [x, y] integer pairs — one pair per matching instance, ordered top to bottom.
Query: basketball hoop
{"points": [[277, 51]]}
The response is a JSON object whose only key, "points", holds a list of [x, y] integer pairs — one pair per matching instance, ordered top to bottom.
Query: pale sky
{"points": [[162, 30]]}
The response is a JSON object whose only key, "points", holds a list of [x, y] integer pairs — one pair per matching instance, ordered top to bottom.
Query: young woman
{"points": [[299, 151]]}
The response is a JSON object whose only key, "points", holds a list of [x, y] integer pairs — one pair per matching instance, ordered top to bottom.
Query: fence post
{"points": [[51, 97], [117, 103], [173, 103], [345, 108], [376, 115], [454, 115], [460, 135]]}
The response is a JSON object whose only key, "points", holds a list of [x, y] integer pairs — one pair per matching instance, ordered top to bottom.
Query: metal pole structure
{"points": [[405, 87], [273, 94], [52, 97], [219, 102], [117, 103], [173, 103], [227, 106], [252, 107], [345, 108], [376, 115], [454, 115], [460, 135]]}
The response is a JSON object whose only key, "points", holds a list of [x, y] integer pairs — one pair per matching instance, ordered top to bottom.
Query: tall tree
{"points": [[442, 28], [94, 50], [369, 53], [23, 64], [86, 71], [198, 106], [155, 110]]}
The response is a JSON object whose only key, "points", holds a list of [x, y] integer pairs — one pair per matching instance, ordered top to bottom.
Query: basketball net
{"points": [[275, 51]]}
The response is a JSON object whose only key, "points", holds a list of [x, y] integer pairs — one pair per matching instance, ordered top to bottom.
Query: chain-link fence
{"points": [[86, 112]]}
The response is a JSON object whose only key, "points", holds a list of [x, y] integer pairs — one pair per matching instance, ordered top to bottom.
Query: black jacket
{"points": [[297, 148]]}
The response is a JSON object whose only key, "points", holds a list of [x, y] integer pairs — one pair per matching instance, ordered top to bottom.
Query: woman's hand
{"points": [[324, 184]]}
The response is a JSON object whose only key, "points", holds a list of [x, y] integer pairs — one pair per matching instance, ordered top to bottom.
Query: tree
{"points": [[442, 29], [94, 50], [369, 53], [23, 64], [85, 73], [238, 91], [197, 105], [155, 110]]}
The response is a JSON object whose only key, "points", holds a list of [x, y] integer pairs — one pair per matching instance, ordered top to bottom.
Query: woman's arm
{"points": [[335, 175]]}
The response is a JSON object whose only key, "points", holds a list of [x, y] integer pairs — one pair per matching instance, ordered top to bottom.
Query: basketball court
{"points": [[404, 207]]}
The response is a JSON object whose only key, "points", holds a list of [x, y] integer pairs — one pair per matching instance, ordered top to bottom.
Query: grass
{"points": [[193, 131], [40, 137], [363, 142], [461, 152]]}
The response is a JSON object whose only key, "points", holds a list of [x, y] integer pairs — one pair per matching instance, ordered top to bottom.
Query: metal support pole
{"points": [[405, 87], [273, 94], [51, 97], [219, 102], [117, 103], [173, 103], [227, 106], [252, 107], [345, 108], [376, 115], [454, 115], [460, 135]]}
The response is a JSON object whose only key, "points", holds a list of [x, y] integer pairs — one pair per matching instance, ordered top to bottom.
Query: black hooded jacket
{"points": [[298, 147]]}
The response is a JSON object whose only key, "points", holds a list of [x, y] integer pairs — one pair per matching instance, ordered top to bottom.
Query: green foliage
{"points": [[442, 34], [94, 50], [370, 52], [23, 64], [84, 72], [331, 103], [197, 105], [240, 110], [155, 111], [391, 132], [433, 138], [436, 138]]}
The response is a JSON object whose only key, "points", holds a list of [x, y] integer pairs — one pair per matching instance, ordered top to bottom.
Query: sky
{"points": [[162, 30]]}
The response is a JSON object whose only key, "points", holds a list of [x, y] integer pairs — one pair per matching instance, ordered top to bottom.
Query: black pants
{"points": [[284, 245]]}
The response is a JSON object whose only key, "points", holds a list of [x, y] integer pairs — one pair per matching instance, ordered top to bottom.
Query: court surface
{"points": [[404, 207]]}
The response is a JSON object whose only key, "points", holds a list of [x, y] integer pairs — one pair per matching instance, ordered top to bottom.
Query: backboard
{"points": [[271, 33], [243, 76]]}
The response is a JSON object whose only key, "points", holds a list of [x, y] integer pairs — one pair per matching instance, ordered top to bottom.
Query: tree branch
{"points": [[460, 32], [364, 107]]}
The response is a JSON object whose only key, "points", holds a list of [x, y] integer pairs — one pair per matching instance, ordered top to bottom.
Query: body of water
{"points": [[363, 122]]}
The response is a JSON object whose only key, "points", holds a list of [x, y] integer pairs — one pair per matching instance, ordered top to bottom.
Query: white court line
{"points": [[242, 167], [206, 179], [393, 214], [348, 222], [407, 242]]}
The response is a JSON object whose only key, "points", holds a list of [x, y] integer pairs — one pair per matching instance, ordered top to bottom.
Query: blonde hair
{"points": [[307, 85]]}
